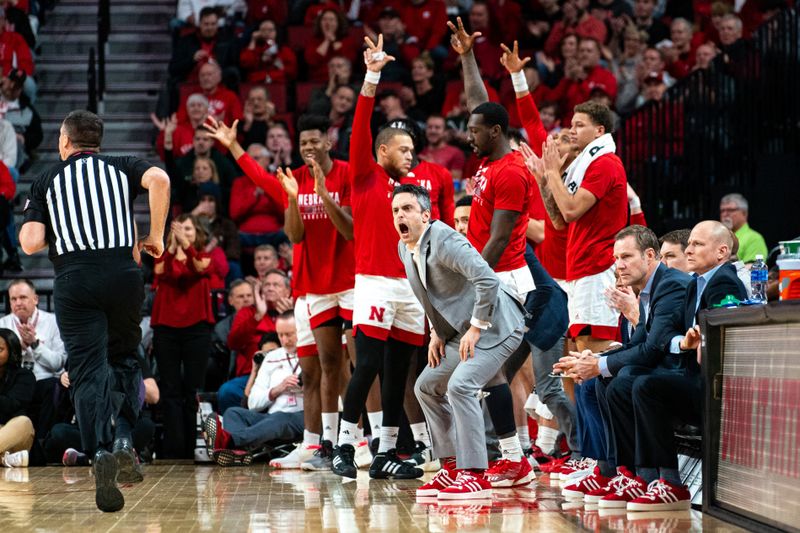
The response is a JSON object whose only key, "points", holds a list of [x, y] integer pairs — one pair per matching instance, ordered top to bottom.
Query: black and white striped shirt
{"points": [[86, 203]]}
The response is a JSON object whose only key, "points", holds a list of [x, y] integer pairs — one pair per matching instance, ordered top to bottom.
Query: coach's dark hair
{"points": [[599, 114], [493, 115], [313, 122], [84, 129], [387, 134], [419, 192], [464, 201], [643, 236], [678, 236], [22, 281], [14, 348]]}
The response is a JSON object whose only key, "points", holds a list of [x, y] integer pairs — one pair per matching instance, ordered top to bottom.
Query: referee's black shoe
{"points": [[344, 463], [387, 465], [129, 470], [107, 496]]}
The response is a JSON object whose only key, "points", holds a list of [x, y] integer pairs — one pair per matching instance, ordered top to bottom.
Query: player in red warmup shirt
{"points": [[316, 197], [593, 200], [497, 228], [388, 320]]}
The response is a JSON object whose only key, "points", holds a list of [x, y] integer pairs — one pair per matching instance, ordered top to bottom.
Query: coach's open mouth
{"points": [[403, 230]]}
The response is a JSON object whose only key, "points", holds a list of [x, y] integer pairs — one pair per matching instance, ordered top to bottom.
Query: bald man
{"points": [[659, 399]]}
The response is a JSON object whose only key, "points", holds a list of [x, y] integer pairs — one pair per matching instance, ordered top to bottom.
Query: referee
{"points": [[82, 209]]}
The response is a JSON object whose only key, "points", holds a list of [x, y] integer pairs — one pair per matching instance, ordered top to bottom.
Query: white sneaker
{"points": [[301, 454], [362, 457], [16, 459]]}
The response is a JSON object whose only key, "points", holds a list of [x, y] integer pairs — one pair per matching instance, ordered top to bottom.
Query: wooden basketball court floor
{"points": [[187, 498]]}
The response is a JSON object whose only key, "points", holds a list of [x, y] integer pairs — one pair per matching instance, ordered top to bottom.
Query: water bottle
{"points": [[758, 279]]}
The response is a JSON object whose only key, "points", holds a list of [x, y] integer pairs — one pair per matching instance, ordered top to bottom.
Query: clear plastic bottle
{"points": [[758, 279]]}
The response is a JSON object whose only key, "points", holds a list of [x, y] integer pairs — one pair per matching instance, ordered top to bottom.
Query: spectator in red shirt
{"points": [[426, 19], [578, 21], [330, 39], [397, 42], [485, 49], [16, 54], [679, 56], [265, 60], [580, 79], [223, 104], [181, 133], [438, 151], [222, 232], [182, 320]]}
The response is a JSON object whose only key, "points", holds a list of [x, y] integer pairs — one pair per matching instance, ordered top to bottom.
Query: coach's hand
{"points": [[460, 40], [511, 60], [151, 245], [466, 348], [435, 350]]}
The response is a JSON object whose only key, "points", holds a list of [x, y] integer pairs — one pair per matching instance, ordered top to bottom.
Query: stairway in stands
{"points": [[136, 62]]}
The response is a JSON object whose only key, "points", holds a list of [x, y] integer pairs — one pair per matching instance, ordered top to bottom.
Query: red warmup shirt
{"points": [[439, 183], [502, 184], [371, 197], [254, 211], [590, 244], [183, 295], [245, 334]]}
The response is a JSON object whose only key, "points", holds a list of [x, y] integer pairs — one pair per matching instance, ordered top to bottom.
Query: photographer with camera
{"points": [[274, 405]]}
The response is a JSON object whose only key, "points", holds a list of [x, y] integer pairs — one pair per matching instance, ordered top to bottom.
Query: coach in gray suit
{"points": [[476, 324]]}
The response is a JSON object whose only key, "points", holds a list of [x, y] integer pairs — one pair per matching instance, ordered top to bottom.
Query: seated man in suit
{"points": [[662, 293], [476, 324], [661, 399]]}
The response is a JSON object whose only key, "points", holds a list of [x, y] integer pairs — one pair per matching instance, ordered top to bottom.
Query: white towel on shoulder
{"points": [[577, 169]]}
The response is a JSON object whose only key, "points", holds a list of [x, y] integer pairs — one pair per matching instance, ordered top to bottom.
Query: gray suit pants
{"points": [[456, 420]]}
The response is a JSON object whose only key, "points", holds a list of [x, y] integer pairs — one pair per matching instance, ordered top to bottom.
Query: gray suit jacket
{"points": [[460, 285]]}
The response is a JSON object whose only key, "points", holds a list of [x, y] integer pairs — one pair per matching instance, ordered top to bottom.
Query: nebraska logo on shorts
{"points": [[376, 313]]}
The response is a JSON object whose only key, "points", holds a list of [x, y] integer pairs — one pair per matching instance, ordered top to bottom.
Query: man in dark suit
{"points": [[662, 293], [659, 400]]}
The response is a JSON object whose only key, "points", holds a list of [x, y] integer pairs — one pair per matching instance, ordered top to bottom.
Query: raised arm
{"points": [[462, 43], [528, 112], [361, 160]]}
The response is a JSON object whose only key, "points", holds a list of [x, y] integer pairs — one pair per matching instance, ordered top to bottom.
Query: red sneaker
{"points": [[575, 465], [553, 466], [505, 473], [443, 479], [592, 482], [617, 483], [468, 486], [633, 488], [662, 495]]}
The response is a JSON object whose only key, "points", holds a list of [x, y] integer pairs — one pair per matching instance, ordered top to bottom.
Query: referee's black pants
{"points": [[98, 301]]}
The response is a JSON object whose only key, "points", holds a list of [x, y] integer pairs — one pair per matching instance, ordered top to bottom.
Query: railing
{"points": [[96, 78], [91, 81], [730, 128]]}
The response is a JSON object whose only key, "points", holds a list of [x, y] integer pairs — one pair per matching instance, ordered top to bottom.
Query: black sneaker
{"points": [[374, 445], [322, 458], [344, 463], [388, 465], [129, 470], [107, 496]]}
